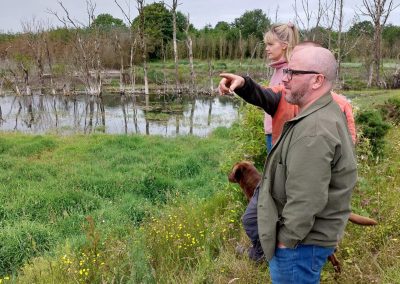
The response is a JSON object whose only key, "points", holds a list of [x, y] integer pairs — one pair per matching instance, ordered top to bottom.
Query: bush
{"points": [[394, 80], [354, 84], [391, 110], [373, 128], [250, 137]]}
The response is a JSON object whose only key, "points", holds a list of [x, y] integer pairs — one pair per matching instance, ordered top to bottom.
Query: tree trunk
{"points": [[174, 6], [378, 11], [339, 42], [143, 43], [189, 44], [241, 49], [377, 52], [132, 70], [121, 71], [210, 74], [370, 75], [53, 89], [192, 116]]}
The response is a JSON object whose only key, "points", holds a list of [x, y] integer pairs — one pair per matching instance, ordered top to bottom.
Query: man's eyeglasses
{"points": [[291, 72]]}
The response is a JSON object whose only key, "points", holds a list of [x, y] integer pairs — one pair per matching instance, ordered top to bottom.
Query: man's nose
{"points": [[285, 77]]}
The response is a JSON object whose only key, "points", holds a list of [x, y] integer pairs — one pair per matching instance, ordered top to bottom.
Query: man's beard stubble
{"points": [[294, 96]]}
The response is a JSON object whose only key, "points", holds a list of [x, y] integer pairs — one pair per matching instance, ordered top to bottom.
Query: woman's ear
{"points": [[284, 45]]}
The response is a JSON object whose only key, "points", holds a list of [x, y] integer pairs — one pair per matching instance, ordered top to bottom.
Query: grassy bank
{"points": [[49, 185], [136, 209]]}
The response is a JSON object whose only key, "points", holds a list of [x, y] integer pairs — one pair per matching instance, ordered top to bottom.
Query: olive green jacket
{"points": [[308, 177]]}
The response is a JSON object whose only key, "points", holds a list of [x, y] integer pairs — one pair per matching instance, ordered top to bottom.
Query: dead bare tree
{"points": [[140, 8], [378, 11], [276, 13], [330, 19], [305, 22], [35, 33], [339, 40], [174, 41], [133, 43], [189, 44], [119, 51], [87, 55], [50, 63], [210, 75]]}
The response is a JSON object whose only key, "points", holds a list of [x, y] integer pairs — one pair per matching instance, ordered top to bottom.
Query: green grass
{"points": [[371, 98], [50, 184], [161, 210]]}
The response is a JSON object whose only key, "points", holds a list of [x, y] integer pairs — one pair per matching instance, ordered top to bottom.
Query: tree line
{"points": [[81, 52]]}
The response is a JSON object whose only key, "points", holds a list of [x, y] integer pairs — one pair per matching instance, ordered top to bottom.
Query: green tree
{"points": [[106, 21], [253, 22], [222, 26], [158, 27], [361, 28], [391, 34]]}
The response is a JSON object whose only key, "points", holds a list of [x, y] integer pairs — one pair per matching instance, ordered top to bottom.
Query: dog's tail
{"points": [[361, 220]]}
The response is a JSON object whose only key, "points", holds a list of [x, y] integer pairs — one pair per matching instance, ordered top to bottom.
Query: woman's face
{"points": [[275, 49]]}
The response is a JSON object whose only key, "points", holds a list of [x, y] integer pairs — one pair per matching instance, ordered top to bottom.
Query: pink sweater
{"points": [[276, 80]]}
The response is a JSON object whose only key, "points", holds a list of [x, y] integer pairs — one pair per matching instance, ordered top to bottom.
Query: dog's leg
{"points": [[335, 262]]}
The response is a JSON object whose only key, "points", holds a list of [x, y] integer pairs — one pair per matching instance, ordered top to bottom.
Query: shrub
{"points": [[394, 80], [354, 84], [391, 110], [373, 128], [250, 137]]}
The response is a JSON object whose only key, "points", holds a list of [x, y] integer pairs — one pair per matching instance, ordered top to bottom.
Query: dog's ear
{"points": [[236, 173]]}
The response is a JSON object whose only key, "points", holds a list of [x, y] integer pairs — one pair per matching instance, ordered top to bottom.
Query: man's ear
{"points": [[318, 81]]}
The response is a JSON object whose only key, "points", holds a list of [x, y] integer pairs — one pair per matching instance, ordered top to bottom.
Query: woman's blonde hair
{"points": [[286, 33]]}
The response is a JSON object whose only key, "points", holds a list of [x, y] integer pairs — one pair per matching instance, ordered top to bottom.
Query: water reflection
{"points": [[151, 115]]}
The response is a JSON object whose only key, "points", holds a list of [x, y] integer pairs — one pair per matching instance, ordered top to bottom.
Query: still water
{"points": [[166, 115]]}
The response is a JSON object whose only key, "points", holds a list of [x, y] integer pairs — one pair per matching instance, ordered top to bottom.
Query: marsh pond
{"points": [[167, 115]]}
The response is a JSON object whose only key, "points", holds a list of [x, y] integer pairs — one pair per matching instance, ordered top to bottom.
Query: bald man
{"points": [[304, 197]]}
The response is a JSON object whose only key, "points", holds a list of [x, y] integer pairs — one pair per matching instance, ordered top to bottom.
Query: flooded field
{"points": [[167, 115]]}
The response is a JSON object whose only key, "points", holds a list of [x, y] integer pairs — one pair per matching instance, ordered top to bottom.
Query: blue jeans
{"points": [[268, 142], [300, 265]]}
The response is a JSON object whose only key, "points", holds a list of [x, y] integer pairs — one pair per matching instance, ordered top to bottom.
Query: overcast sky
{"points": [[202, 12]]}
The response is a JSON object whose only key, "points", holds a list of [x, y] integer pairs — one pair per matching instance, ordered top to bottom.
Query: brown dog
{"points": [[247, 176]]}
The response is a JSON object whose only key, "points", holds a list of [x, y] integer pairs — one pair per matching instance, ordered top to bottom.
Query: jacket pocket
{"points": [[278, 191]]}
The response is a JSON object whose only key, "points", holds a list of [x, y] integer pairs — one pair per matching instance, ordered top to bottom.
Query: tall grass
{"points": [[50, 184], [161, 211]]}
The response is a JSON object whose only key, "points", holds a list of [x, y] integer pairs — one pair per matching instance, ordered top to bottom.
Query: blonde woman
{"points": [[279, 43]]}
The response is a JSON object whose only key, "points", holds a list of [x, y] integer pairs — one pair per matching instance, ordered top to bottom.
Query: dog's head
{"points": [[239, 170], [246, 175]]}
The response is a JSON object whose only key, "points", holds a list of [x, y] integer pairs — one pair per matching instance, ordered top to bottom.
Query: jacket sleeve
{"points": [[266, 98], [308, 170]]}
